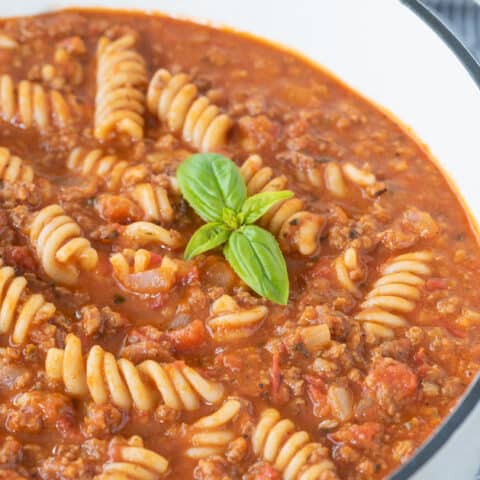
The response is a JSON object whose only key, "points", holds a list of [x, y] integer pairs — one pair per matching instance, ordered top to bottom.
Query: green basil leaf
{"points": [[209, 183], [257, 205], [230, 218], [206, 238], [255, 256]]}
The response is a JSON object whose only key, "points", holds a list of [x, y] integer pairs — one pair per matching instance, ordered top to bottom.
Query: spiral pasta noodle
{"points": [[121, 83], [176, 101], [31, 105], [14, 169], [115, 172], [336, 176], [154, 202], [287, 220], [147, 232], [60, 245], [131, 262], [347, 266], [397, 290], [20, 309], [229, 322], [104, 378], [212, 434], [275, 440], [133, 462]]}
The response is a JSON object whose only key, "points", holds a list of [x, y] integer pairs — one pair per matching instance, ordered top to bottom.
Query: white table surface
{"points": [[459, 459]]}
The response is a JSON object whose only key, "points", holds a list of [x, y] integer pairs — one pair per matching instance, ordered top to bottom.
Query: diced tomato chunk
{"points": [[436, 284], [189, 337], [275, 375], [393, 378], [364, 435], [267, 472]]}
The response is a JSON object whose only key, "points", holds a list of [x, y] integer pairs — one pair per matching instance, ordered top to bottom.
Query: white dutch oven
{"points": [[397, 54]]}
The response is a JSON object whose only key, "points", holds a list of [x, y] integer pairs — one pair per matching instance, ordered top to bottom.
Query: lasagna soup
{"points": [[121, 358]]}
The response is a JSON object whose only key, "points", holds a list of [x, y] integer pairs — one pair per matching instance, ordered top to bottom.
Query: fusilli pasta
{"points": [[121, 83], [175, 101], [31, 105], [13, 169], [115, 172], [335, 179], [154, 202], [287, 219], [144, 233], [59, 244], [131, 262], [348, 269], [395, 291], [20, 309], [228, 321], [315, 337], [104, 378], [212, 434], [290, 452], [133, 462]]}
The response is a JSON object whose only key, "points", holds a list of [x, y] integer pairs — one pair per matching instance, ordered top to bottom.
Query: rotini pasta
{"points": [[7, 42], [121, 83], [175, 101], [31, 105], [14, 169], [115, 172], [335, 179], [154, 202], [287, 219], [146, 232], [60, 246], [129, 262], [348, 269], [395, 291], [20, 309], [229, 322], [315, 337], [104, 378], [211, 434], [290, 452], [133, 462]]}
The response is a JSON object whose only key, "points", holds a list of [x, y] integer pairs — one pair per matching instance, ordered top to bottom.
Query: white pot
{"points": [[391, 52]]}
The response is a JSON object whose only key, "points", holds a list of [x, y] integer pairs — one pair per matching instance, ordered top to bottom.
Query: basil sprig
{"points": [[215, 189]]}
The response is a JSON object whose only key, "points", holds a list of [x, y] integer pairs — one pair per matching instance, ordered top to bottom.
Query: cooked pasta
{"points": [[7, 42], [121, 83], [176, 101], [29, 104], [14, 169], [115, 172], [335, 179], [154, 202], [287, 220], [147, 232], [59, 243], [129, 262], [348, 269], [397, 290], [20, 309], [228, 321], [315, 337], [106, 379], [211, 434], [276, 441], [133, 462]]}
